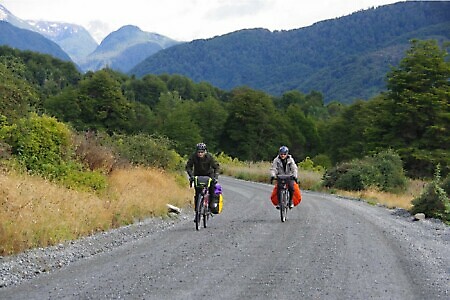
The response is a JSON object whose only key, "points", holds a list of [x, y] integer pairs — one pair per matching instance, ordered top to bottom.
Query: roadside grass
{"points": [[311, 180], [37, 213]]}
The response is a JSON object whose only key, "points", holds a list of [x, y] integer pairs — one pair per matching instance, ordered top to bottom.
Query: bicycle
{"points": [[201, 185], [283, 202]]}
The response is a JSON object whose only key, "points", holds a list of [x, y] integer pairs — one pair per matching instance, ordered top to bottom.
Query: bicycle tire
{"points": [[283, 205], [198, 211], [205, 213]]}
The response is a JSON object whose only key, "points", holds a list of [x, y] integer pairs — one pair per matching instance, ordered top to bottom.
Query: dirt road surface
{"points": [[329, 248]]}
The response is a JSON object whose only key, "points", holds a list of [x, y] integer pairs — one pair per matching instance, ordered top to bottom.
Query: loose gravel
{"points": [[29, 264]]}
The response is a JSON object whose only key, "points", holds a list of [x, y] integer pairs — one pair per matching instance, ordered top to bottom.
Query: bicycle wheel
{"points": [[283, 205], [198, 211], [205, 217]]}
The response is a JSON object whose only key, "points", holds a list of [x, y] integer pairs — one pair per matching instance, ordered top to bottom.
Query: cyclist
{"points": [[202, 163], [284, 164]]}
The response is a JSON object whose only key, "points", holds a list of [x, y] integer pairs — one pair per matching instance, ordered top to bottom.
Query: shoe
{"points": [[291, 205], [277, 207]]}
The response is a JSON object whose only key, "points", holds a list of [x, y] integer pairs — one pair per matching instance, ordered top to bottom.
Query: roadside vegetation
{"points": [[81, 153]]}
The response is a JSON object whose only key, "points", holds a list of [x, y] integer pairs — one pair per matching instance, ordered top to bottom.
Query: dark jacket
{"points": [[206, 166]]}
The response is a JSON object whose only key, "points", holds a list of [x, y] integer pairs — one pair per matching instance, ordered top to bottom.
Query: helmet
{"points": [[201, 147], [283, 150]]}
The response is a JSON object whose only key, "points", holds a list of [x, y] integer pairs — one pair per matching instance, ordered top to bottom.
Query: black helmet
{"points": [[201, 147], [283, 150]]}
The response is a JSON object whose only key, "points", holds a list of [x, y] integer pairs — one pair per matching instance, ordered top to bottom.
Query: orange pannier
{"points": [[296, 198]]}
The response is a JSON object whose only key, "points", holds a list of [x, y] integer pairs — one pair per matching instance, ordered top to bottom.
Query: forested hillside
{"points": [[344, 59], [173, 111]]}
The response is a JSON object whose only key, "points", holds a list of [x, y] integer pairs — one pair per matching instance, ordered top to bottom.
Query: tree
{"points": [[16, 95], [418, 100], [103, 105], [210, 116], [174, 119], [253, 130]]}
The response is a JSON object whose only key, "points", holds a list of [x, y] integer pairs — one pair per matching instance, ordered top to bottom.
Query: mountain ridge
{"points": [[284, 60]]}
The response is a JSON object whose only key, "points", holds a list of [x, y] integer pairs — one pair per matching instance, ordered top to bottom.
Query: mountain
{"points": [[7, 16], [24, 39], [75, 40], [123, 49], [345, 58]]}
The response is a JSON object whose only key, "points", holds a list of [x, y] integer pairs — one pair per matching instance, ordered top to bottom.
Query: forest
{"points": [[412, 118]]}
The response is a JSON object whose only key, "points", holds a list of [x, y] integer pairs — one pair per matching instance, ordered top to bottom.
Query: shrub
{"points": [[40, 143], [43, 146], [146, 150], [93, 154], [322, 160], [308, 165], [383, 171], [446, 185], [433, 201]]}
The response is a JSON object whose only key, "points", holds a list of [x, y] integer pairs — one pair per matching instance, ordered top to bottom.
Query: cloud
{"points": [[229, 9]]}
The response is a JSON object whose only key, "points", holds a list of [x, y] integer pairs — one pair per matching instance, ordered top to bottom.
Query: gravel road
{"points": [[329, 248]]}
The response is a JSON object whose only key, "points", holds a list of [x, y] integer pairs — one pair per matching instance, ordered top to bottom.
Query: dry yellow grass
{"points": [[259, 171], [310, 180], [391, 200], [38, 213]]}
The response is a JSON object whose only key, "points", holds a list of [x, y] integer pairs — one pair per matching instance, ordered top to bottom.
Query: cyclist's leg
{"points": [[278, 196]]}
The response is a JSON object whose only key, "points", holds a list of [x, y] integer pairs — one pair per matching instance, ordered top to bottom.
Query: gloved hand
{"points": [[272, 178], [295, 179], [191, 180], [214, 180]]}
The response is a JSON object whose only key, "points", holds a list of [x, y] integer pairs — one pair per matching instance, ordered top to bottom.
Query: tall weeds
{"points": [[37, 213]]}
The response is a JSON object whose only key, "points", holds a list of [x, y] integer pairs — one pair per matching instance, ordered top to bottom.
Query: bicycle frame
{"points": [[201, 185], [283, 201]]}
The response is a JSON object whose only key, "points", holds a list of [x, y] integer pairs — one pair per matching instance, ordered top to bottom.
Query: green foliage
{"points": [[345, 58], [46, 74], [16, 94], [419, 110], [210, 115], [176, 121], [254, 130], [40, 143], [43, 146], [142, 149], [224, 159], [322, 160], [308, 165], [383, 171], [446, 185], [433, 201]]}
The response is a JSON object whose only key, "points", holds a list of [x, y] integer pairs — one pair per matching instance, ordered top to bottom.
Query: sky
{"points": [[186, 20]]}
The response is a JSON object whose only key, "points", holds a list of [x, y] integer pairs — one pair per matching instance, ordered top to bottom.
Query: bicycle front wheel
{"points": [[284, 205], [198, 211]]}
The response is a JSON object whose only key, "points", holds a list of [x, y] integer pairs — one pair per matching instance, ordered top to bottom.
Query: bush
{"points": [[40, 143], [43, 146], [146, 150], [93, 154], [308, 165], [383, 171], [446, 185], [433, 201]]}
